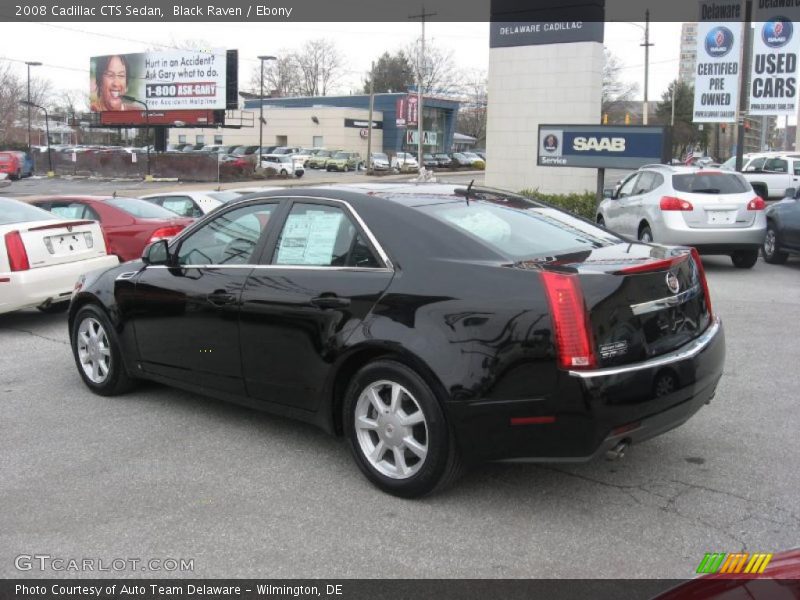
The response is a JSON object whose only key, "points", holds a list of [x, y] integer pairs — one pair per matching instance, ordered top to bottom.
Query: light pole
{"points": [[646, 29], [30, 63], [30, 105], [261, 107], [371, 107], [147, 122]]}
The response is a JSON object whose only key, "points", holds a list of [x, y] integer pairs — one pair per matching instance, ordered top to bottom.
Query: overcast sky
{"points": [[65, 48]]}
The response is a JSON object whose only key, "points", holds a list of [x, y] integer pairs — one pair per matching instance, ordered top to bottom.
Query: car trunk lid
{"points": [[46, 243]]}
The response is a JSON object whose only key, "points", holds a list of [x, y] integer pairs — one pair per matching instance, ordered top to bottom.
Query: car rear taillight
{"points": [[673, 203], [756, 203], [164, 233], [17, 255], [702, 273], [570, 320]]}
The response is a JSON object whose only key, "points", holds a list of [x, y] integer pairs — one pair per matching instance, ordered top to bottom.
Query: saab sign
{"points": [[601, 147]]}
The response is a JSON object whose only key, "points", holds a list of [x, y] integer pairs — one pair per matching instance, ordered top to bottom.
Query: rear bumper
{"points": [[674, 231], [55, 284], [592, 411]]}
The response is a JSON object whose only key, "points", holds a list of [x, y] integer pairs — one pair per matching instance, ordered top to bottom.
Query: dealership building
{"points": [[335, 122]]}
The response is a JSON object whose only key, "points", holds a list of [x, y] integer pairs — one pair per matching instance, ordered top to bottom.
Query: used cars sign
{"points": [[598, 146]]}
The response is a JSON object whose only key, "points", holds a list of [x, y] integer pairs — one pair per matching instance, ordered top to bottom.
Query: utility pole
{"points": [[422, 16], [646, 45], [31, 63], [743, 83], [371, 108], [261, 109]]}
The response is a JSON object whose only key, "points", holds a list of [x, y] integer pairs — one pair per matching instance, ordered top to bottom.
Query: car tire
{"points": [[346, 168], [328, 169], [284, 172], [298, 175], [601, 221], [646, 234], [769, 249], [744, 259], [53, 308], [92, 322], [405, 448]]}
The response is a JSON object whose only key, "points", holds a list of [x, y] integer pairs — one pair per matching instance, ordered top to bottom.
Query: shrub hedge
{"points": [[584, 205]]}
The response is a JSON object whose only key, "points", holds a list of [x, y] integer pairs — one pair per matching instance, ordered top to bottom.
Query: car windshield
{"points": [[324, 153], [342, 155], [380, 157], [729, 164], [710, 183], [223, 196], [141, 208], [12, 211], [520, 229]]}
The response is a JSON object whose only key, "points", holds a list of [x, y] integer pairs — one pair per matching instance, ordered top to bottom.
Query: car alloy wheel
{"points": [[645, 235], [770, 248], [94, 351], [97, 353], [391, 429], [397, 430]]}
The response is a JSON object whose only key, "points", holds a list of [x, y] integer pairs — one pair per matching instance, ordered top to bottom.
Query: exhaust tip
{"points": [[618, 451]]}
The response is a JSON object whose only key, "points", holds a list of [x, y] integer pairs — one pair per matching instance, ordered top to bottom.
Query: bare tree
{"points": [[320, 65], [436, 70], [281, 76], [13, 90], [615, 90], [472, 112]]}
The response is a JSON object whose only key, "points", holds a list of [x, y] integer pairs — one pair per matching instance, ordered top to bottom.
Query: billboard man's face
{"points": [[114, 84]]}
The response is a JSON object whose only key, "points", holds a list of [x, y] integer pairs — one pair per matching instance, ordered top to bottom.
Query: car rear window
{"points": [[710, 183], [141, 208], [12, 211], [521, 230]]}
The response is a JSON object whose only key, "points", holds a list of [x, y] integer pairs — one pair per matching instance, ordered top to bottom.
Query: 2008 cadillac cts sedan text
{"points": [[432, 326]]}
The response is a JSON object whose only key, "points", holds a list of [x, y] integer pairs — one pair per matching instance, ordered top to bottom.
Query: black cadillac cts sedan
{"points": [[432, 326]]}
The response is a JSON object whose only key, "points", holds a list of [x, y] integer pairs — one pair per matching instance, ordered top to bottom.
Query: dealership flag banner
{"points": [[773, 75], [716, 79], [175, 80]]}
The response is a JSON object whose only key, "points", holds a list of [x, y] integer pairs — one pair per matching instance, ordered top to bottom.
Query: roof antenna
{"points": [[469, 189]]}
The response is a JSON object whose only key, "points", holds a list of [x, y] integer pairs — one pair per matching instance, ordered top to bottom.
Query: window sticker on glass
{"points": [[308, 239]]}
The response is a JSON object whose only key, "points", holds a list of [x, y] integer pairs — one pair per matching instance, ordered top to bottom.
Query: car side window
{"points": [[756, 164], [776, 165], [645, 183], [627, 187], [182, 205], [73, 210], [318, 235], [229, 239]]}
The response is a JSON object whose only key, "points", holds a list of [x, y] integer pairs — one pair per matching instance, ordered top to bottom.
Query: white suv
{"points": [[714, 210]]}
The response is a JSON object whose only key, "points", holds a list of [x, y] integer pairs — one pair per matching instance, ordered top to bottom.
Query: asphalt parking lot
{"points": [[161, 473]]}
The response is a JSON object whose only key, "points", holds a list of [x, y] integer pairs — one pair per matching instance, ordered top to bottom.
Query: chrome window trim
{"points": [[384, 257], [282, 267], [662, 303], [690, 350]]}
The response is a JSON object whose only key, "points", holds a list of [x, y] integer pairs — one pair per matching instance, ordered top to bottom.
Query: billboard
{"points": [[773, 74], [716, 78], [175, 80], [599, 146]]}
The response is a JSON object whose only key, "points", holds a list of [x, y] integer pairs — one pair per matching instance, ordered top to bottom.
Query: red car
{"points": [[10, 164], [128, 224]]}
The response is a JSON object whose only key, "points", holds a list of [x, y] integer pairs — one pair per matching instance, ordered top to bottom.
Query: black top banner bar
{"points": [[278, 11]]}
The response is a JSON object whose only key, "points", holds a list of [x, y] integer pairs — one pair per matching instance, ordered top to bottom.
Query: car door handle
{"points": [[221, 298], [330, 302]]}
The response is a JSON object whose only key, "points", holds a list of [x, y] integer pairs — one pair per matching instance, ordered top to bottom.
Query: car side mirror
{"points": [[608, 193], [790, 193], [156, 253]]}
